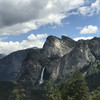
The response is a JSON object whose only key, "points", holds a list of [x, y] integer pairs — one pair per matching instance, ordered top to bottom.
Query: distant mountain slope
{"points": [[2, 55], [10, 65]]}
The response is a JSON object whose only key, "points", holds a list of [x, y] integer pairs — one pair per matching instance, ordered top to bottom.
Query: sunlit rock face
{"points": [[56, 46]]}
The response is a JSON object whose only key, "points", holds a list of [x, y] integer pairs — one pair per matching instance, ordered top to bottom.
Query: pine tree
{"points": [[76, 88], [52, 92], [17, 94], [96, 94]]}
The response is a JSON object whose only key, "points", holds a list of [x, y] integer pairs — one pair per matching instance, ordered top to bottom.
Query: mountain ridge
{"points": [[60, 56], [58, 64]]}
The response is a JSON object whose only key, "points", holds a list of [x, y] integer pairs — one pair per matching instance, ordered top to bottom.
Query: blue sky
{"points": [[27, 23], [69, 28]]}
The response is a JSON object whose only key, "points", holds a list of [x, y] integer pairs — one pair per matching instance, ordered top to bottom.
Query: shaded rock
{"points": [[94, 45], [79, 57], [10, 65], [32, 66], [53, 69]]}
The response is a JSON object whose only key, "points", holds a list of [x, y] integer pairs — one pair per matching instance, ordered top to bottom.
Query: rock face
{"points": [[58, 47], [49, 57], [60, 57], [79, 57], [34, 63], [10, 65], [32, 67]]}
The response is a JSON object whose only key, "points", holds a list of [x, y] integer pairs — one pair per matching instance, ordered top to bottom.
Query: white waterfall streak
{"points": [[42, 74]]}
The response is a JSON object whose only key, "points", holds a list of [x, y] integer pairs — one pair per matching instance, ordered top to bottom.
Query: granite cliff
{"points": [[56, 46], [60, 57]]}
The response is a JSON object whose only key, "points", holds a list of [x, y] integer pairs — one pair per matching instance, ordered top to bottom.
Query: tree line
{"points": [[75, 88]]}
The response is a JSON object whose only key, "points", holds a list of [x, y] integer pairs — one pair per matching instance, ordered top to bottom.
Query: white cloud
{"points": [[96, 6], [90, 10], [85, 11], [21, 16], [18, 28], [90, 29], [37, 37], [83, 38], [32, 41]]}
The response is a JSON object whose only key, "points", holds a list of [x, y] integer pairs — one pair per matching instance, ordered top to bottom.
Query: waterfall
{"points": [[41, 78]]}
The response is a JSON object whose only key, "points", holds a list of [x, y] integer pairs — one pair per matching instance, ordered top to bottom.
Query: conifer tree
{"points": [[76, 88], [52, 92], [17, 94], [96, 94]]}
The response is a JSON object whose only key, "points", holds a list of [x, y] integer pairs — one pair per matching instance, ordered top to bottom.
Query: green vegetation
{"points": [[93, 68], [92, 74], [75, 88], [5, 89], [51, 92], [17, 94], [96, 94]]}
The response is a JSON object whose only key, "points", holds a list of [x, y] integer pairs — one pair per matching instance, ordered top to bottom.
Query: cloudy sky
{"points": [[27, 23]]}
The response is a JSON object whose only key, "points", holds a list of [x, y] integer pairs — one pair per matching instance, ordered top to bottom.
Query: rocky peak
{"points": [[52, 38], [53, 41], [68, 41], [82, 45], [56, 46], [82, 49]]}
